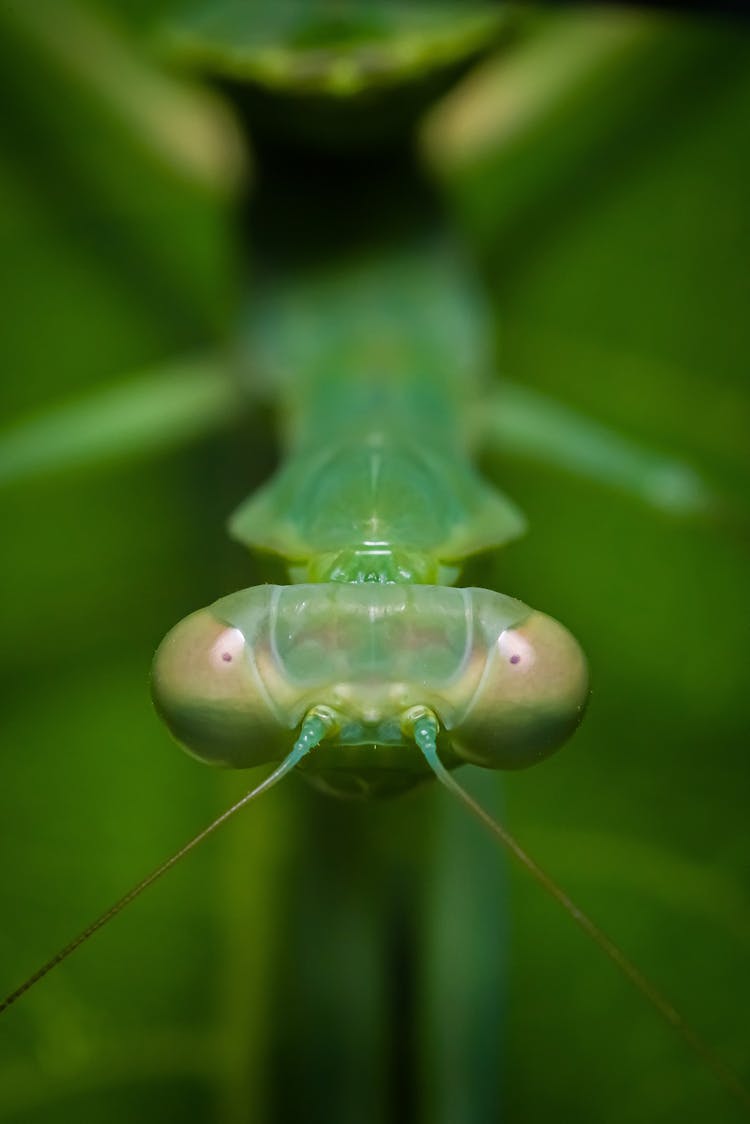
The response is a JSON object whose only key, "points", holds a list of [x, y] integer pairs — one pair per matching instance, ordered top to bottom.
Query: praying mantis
{"points": [[229, 1053]]}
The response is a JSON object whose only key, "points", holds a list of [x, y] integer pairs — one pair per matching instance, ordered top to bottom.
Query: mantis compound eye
{"points": [[207, 689], [530, 698]]}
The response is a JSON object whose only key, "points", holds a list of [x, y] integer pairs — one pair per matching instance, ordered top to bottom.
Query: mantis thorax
{"points": [[375, 562]]}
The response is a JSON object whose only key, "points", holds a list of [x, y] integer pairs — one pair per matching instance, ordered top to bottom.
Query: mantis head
{"points": [[507, 684]]}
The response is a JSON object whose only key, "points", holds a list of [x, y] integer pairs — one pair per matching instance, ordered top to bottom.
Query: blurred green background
{"points": [[615, 237]]}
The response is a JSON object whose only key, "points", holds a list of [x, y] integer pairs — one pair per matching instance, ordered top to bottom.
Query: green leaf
{"points": [[311, 46]]}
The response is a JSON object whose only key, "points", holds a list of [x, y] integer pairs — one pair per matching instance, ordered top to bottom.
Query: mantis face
{"points": [[507, 684]]}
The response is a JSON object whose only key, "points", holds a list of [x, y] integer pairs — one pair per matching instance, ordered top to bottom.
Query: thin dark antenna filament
{"points": [[313, 731], [425, 734]]}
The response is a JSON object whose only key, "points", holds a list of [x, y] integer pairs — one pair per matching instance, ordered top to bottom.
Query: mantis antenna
{"points": [[314, 729], [424, 731]]}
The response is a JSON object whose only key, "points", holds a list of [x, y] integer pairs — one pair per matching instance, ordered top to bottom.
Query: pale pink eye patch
{"points": [[227, 648], [516, 650]]}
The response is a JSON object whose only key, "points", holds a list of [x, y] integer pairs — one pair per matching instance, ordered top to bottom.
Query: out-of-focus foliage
{"points": [[617, 260]]}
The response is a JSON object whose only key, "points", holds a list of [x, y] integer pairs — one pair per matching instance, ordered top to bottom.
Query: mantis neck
{"points": [[377, 351]]}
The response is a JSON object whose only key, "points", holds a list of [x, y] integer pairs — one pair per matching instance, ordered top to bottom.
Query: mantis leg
{"points": [[164, 407], [528, 424], [464, 972], [335, 1027]]}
